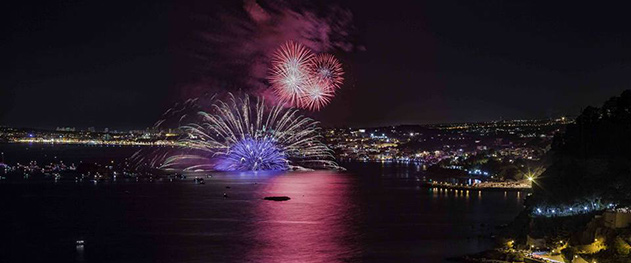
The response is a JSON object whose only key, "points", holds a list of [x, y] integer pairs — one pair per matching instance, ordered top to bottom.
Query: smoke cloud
{"points": [[233, 46]]}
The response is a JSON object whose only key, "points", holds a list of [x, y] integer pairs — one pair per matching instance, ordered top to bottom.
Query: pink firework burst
{"points": [[327, 68], [290, 72], [317, 94]]}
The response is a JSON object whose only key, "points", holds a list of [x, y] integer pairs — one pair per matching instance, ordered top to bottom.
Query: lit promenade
{"points": [[482, 186]]}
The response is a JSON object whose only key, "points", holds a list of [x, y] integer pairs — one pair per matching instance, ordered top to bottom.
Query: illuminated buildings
{"points": [[69, 135], [430, 144], [461, 147]]}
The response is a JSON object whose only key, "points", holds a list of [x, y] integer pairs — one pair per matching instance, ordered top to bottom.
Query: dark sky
{"points": [[121, 64]]}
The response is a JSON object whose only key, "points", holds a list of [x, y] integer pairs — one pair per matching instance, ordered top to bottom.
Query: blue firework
{"points": [[253, 154]]}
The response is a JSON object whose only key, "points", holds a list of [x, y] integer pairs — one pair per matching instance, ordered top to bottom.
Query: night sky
{"points": [[122, 64]]}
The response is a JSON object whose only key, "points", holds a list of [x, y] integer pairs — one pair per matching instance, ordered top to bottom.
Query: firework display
{"points": [[326, 67], [291, 72], [303, 80], [317, 94], [180, 114], [238, 135], [253, 154]]}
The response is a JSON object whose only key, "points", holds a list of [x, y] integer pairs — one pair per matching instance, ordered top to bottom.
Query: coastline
{"points": [[475, 187]]}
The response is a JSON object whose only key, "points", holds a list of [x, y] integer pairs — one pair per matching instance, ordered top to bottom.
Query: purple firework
{"points": [[253, 155]]}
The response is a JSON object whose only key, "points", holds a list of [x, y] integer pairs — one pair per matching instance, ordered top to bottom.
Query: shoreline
{"points": [[478, 188]]}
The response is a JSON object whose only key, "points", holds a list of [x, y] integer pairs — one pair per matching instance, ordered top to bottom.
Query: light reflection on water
{"points": [[370, 214], [313, 226]]}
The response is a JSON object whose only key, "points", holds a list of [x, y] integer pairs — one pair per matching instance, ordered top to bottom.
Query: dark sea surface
{"points": [[371, 213]]}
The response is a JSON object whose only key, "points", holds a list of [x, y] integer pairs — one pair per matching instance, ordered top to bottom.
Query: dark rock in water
{"points": [[199, 180], [227, 187], [277, 198]]}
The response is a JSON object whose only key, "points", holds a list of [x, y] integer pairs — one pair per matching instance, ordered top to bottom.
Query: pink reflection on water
{"points": [[311, 227]]}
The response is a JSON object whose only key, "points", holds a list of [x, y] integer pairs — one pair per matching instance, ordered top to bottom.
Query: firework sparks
{"points": [[327, 68], [290, 72], [303, 80], [318, 93], [173, 118], [238, 136], [253, 154]]}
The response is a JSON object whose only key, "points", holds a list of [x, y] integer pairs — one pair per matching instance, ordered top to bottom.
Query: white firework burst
{"points": [[290, 71], [240, 135]]}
